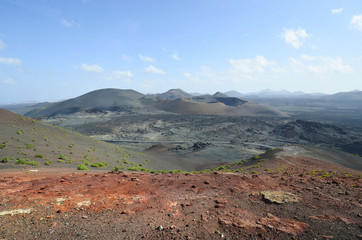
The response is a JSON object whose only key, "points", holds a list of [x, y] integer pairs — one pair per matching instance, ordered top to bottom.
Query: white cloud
{"points": [[336, 11], [356, 22], [68, 23], [296, 37], [2, 45], [175, 57], [307, 57], [126, 58], [146, 59], [10, 61], [294, 62], [329, 64], [248, 66], [91, 68], [152, 69], [117, 75], [187, 75], [9, 81]]}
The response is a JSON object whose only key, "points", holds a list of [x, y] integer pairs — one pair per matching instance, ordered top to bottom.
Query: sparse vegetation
{"points": [[3, 145], [29, 146], [39, 156], [62, 157], [5, 159], [26, 162], [86, 162], [101, 164], [82, 167], [116, 169]]}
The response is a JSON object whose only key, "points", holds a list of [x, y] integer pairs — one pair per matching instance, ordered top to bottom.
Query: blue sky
{"points": [[57, 49]]}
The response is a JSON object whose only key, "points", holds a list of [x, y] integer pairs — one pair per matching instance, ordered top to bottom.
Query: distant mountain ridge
{"points": [[172, 94], [99, 100], [174, 100]]}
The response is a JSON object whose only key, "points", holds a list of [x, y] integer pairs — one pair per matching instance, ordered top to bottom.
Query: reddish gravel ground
{"points": [[130, 205]]}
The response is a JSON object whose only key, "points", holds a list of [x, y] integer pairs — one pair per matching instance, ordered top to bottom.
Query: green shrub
{"points": [[2, 146], [29, 146], [39, 155], [62, 157], [5, 159], [20, 160], [26, 162], [48, 162], [86, 162], [33, 163], [101, 164], [82, 167], [134, 168], [116, 169], [253, 172]]}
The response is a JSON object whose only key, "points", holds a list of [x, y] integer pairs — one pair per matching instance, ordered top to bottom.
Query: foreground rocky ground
{"points": [[294, 203]]}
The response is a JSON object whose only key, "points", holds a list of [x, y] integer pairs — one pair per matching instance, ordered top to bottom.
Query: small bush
{"points": [[29, 146], [39, 156], [62, 157], [5, 159], [20, 160], [26, 162], [48, 162], [86, 162], [33, 163], [101, 164], [82, 167], [133, 168], [116, 169]]}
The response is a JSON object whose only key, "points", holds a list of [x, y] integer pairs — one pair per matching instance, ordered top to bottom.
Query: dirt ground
{"points": [[54, 204]]}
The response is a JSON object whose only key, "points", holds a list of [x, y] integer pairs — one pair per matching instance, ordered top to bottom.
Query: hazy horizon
{"points": [[51, 50], [145, 93]]}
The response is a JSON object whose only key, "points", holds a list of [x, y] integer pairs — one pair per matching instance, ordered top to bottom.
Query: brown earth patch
{"points": [[134, 205]]}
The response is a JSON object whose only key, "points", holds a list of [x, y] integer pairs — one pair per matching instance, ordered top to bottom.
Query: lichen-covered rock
{"points": [[279, 197]]}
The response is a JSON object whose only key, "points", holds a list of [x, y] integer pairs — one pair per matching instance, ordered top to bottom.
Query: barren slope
{"points": [[216, 205]]}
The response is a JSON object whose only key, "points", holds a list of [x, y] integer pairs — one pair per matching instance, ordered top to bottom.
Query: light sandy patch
{"points": [[16, 211]]}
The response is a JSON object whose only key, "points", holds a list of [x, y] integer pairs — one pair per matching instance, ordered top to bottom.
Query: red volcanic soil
{"points": [[177, 206]]}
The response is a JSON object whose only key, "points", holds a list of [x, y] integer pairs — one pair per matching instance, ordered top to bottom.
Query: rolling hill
{"points": [[99, 100], [174, 100], [218, 106], [27, 142]]}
